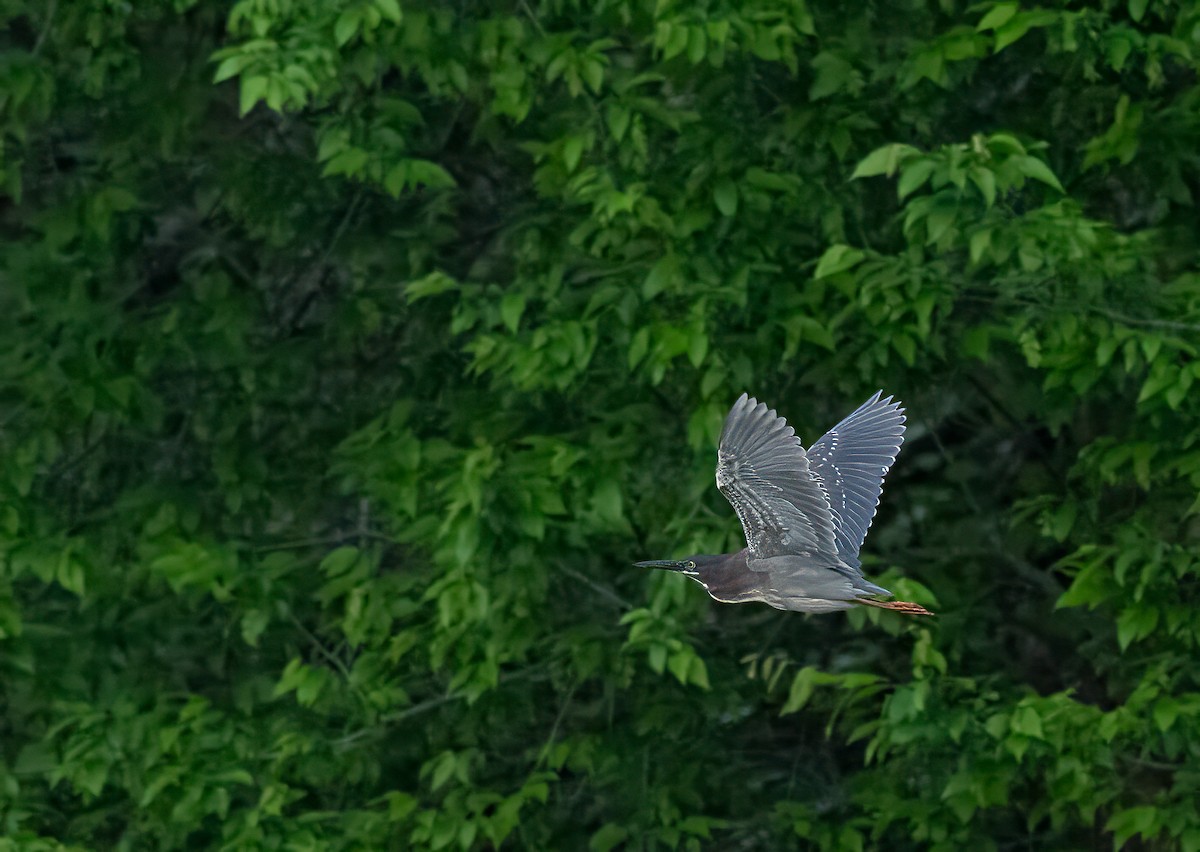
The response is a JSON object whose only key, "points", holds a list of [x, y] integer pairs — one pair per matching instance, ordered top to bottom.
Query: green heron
{"points": [[805, 514]]}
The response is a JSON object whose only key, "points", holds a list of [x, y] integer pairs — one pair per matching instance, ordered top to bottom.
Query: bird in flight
{"points": [[805, 514]]}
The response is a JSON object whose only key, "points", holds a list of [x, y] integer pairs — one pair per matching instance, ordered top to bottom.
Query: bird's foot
{"points": [[906, 607]]}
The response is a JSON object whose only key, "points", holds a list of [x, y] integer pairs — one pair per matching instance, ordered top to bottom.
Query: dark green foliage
{"points": [[351, 351]]}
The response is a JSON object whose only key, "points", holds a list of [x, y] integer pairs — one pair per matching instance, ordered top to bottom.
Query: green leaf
{"points": [[389, 9], [997, 16], [347, 25], [1012, 31], [676, 42], [1118, 50], [231, 66], [592, 71], [832, 73], [253, 90], [617, 116], [1004, 143], [572, 152], [349, 161], [883, 161], [1034, 168], [426, 173], [913, 175], [397, 179], [985, 180], [725, 195], [940, 220], [979, 244], [838, 258], [664, 274], [429, 285], [511, 308], [801, 327], [638, 346], [697, 348], [1105, 350], [1160, 378], [713, 379], [608, 503], [1062, 521], [339, 561], [1092, 586], [254, 623], [1134, 623], [679, 664], [801, 690], [1166, 711], [1025, 721], [443, 770], [1142, 820], [608, 838]]}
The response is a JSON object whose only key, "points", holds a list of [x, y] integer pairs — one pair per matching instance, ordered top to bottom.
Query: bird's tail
{"points": [[906, 607]]}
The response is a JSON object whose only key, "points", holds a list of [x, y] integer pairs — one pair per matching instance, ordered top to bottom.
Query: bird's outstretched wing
{"points": [[852, 459], [763, 472]]}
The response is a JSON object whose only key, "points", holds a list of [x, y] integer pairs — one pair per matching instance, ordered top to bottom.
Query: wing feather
{"points": [[851, 460], [764, 473]]}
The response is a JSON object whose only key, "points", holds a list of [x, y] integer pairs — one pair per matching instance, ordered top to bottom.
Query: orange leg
{"points": [[906, 607]]}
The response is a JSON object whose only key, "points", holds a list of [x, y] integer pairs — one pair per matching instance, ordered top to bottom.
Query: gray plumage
{"points": [[851, 460], [805, 514]]}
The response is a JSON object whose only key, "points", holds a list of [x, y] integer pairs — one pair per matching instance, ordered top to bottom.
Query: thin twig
{"points": [[537, 25], [37, 47], [1116, 316], [1171, 325], [340, 538], [604, 590], [324, 652], [427, 705], [562, 711], [392, 718]]}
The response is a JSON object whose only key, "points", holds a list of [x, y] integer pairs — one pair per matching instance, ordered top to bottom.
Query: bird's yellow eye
{"points": [[690, 565]]}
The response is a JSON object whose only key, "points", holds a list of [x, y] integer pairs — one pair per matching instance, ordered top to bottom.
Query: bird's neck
{"points": [[729, 579]]}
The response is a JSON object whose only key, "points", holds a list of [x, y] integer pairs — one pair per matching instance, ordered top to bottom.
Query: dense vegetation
{"points": [[351, 351]]}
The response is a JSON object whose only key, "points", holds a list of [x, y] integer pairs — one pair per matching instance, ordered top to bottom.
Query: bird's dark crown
{"points": [[704, 561]]}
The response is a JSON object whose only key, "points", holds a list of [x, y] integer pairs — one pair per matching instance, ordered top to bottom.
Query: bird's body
{"points": [[805, 514]]}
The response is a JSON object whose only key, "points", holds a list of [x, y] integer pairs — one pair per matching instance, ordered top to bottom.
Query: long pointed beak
{"points": [[666, 564]]}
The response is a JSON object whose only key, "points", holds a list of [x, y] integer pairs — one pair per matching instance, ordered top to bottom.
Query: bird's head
{"points": [[700, 566], [724, 575]]}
